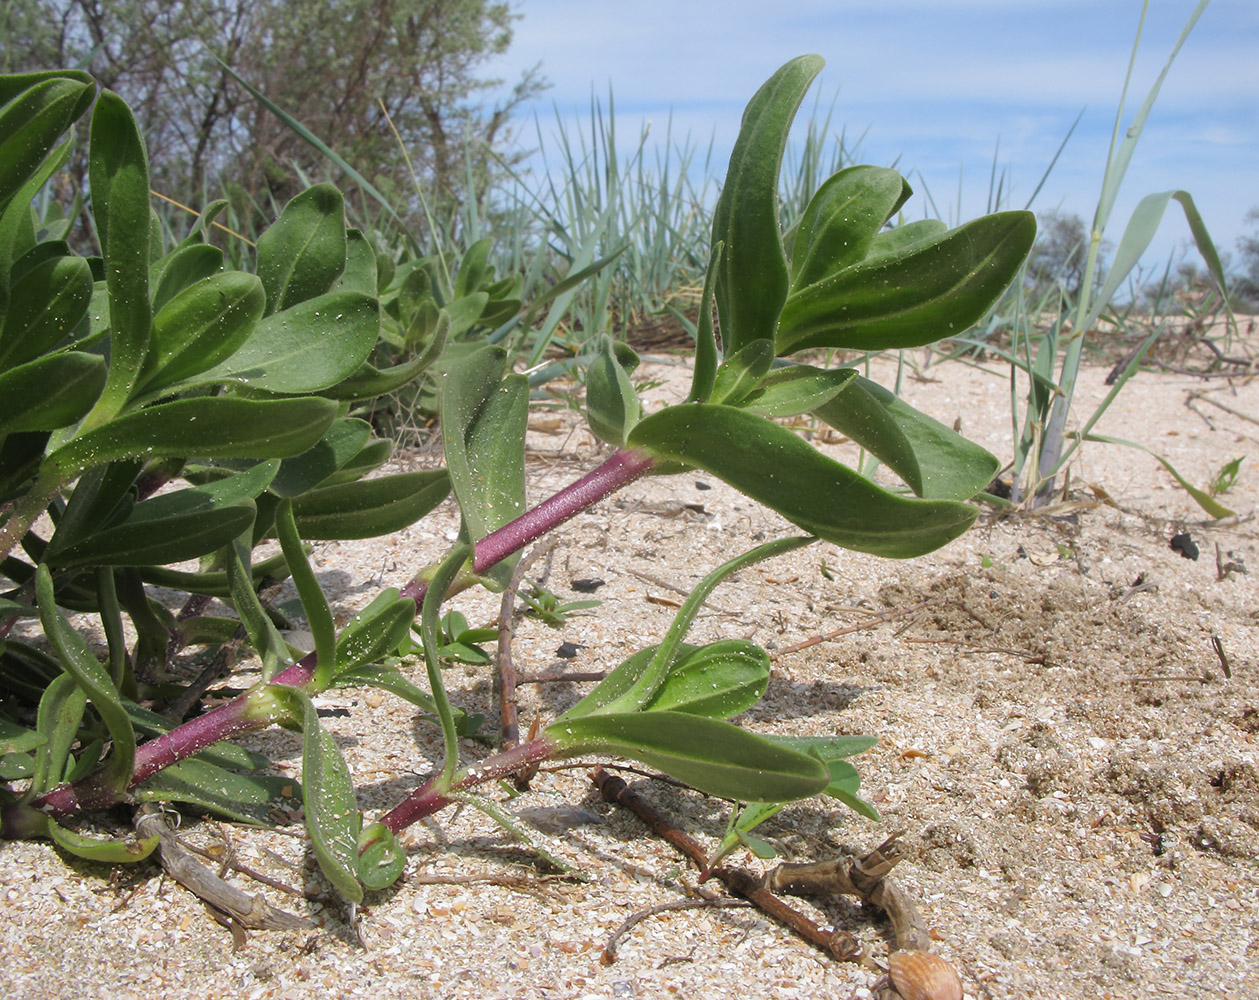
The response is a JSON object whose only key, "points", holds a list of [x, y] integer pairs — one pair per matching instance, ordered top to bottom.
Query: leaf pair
{"points": [[847, 284], [665, 706], [844, 782], [350, 855]]}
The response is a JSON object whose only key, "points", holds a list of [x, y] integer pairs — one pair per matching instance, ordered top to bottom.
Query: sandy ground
{"points": [[1073, 763]]}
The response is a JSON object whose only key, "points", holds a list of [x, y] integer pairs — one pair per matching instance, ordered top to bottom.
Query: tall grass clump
{"points": [[1043, 444]]}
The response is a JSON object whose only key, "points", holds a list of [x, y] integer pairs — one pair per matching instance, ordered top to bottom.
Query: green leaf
{"points": [[37, 109], [1118, 159], [119, 177], [842, 219], [1142, 226], [17, 227], [894, 242], [303, 253], [360, 265], [474, 268], [182, 269], [752, 278], [936, 289], [45, 305], [465, 313], [201, 327], [308, 347], [705, 364], [741, 373], [368, 382], [796, 389], [49, 392], [612, 406], [484, 416], [221, 426], [344, 440], [370, 457], [935, 461], [776, 468], [1201, 497], [370, 507], [172, 527], [161, 538], [314, 603], [376, 631], [263, 634], [77, 660], [388, 679], [622, 679], [717, 681], [646, 685], [56, 728], [17, 739], [832, 751], [712, 756], [16, 766], [845, 780], [245, 798], [332, 814], [747, 819], [761, 848], [113, 852], [382, 859]]}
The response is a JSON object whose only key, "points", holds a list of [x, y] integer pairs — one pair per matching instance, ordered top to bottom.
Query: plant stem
{"points": [[620, 469], [26, 511], [247, 712], [434, 794]]}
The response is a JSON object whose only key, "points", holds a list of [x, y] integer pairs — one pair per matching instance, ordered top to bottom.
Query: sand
{"points": [[1067, 738]]}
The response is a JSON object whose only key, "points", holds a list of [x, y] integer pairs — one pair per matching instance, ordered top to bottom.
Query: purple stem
{"points": [[618, 471], [430, 797]]}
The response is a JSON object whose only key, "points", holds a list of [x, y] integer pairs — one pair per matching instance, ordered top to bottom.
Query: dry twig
{"points": [[505, 679], [231, 906], [841, 945]]}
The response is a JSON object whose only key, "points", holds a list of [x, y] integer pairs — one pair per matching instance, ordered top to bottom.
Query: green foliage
{"points": [[161, 408], [207, 409], [549, 608], [461, 643]]}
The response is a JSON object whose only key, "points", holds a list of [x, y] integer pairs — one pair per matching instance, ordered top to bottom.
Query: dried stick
{"points": [[1227, 409], [887, 616], [506, 676], [865, 877], [234, 905], [634, 919], [841, 945]]}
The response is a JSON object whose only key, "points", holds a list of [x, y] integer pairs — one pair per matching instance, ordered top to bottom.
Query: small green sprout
{"points": [[1226, 478], [546, 606]]}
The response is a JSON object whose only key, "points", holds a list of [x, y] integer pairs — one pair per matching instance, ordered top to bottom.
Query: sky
{"points": [[935, 88]]}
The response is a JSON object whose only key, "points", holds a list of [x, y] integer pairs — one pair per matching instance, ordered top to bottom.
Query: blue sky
{"points": [[937, 85]]}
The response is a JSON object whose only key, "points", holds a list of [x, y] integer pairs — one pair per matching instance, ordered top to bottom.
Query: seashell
{"points": [[920, 975]]}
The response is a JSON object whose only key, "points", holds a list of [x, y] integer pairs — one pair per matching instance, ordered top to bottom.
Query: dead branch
{"points": [[230, 905], [840, 945]]}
